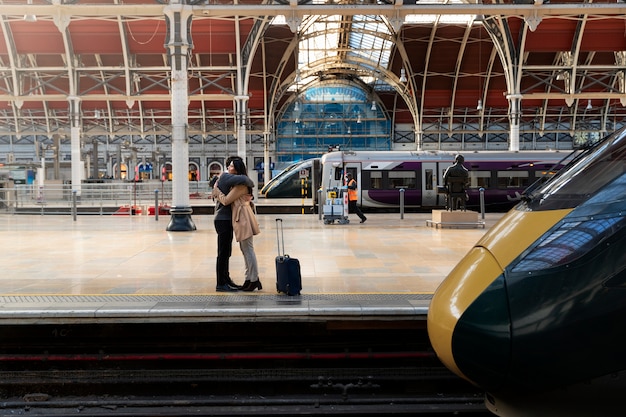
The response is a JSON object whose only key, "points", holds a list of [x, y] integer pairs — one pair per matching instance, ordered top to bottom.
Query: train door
{"points": [[355, 170], [429, 184]]}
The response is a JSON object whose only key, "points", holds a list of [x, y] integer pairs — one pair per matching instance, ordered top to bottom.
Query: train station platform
{"points": [[98, 268], [115, 314]]}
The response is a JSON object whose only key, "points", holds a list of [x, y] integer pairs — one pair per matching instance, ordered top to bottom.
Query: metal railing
{"points": [[102, 197]]}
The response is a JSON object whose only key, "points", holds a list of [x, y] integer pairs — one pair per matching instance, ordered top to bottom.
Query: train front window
{"points": [[587, 174], [402, 179], [589, 224], [567, 242]]}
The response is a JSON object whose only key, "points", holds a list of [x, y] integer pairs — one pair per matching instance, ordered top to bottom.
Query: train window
{"points": [[350, 170], [544, 173], [338, 174], [402, 179], [480, 179], [512, 179], [376, 180]]}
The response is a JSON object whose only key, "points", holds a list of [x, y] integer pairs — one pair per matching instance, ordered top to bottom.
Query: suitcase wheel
{"points": [[292, 293]]}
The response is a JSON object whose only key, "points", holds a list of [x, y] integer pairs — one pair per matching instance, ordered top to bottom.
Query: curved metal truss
{"points": [[449, 75]]}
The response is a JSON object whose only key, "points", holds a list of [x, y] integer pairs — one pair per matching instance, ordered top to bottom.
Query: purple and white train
{"points": [[381, 175]]}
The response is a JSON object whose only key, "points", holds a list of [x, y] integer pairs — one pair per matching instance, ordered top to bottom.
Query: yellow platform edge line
{"points": [[251, 293]]}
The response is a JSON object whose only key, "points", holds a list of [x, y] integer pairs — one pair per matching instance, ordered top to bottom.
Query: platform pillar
{"points": [[178, 46], [77, 163]]}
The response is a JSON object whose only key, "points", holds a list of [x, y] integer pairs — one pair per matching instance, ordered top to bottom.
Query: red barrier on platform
{"points": [[128, 210], [162, 210]]}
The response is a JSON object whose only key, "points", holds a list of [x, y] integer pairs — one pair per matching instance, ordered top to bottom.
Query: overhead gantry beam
{"points": [[538, 9], [114, 97]]}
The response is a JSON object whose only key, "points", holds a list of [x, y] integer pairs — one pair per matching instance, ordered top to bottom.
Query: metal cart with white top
{"points": [[336, 206]]}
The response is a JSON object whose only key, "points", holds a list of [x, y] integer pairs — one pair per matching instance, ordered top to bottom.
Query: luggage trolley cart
{"points": [[336, 206]]}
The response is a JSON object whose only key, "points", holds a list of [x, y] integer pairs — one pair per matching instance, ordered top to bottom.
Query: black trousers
{"points": [[353, 208], [224, 229]]}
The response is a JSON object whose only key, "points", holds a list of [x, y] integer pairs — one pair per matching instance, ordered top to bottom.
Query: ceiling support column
{"points": [[178, 44], [241, 99], [241, 107], [515, 113], [419, 140], [77, 164]]}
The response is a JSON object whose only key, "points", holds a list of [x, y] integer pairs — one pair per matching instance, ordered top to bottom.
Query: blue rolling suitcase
{"points": [[288, 277]]}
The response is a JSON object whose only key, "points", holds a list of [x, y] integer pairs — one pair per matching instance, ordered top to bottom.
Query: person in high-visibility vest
{"points": [[353, 197]]}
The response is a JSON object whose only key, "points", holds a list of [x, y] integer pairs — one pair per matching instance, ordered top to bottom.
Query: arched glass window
{"points": [[330, 116]]}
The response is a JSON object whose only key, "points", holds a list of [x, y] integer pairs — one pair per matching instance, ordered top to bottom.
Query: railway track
{"points": [[230, 368], [246, 392]]}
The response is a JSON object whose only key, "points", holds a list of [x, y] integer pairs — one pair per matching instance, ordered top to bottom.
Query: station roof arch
{"points": [[566, 59]]}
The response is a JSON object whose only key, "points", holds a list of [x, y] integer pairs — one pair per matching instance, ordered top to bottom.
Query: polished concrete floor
{"points": [[95, 254]]}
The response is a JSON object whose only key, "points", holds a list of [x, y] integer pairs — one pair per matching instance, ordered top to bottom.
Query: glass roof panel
{"points": [[320, 41], [366, 43]]}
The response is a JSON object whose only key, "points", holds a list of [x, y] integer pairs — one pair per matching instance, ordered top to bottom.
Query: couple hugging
{"points": [[234, 216]]}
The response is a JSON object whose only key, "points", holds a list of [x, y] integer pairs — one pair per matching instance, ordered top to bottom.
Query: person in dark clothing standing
{"points": [[353, 197], [245, 224], [224, 226]]}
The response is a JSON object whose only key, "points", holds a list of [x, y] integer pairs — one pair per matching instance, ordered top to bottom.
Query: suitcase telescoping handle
{"points": [[279, 234]]}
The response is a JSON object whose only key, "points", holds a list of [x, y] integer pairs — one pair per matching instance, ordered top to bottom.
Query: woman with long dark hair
{"points": [[244, 224]]}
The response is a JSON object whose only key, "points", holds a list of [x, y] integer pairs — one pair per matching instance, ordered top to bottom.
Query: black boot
{"points": [[233, 285], [252, 285], [225, 288]]}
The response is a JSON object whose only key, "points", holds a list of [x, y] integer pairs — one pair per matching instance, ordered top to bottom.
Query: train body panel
{"points": [[516, 230], [477, 263], [539, 304]]}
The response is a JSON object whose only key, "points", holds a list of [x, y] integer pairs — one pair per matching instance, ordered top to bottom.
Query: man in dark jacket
{"points": [[224, 226]]}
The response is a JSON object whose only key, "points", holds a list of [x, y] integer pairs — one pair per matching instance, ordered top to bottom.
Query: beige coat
{"points": [[245, 224]]}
